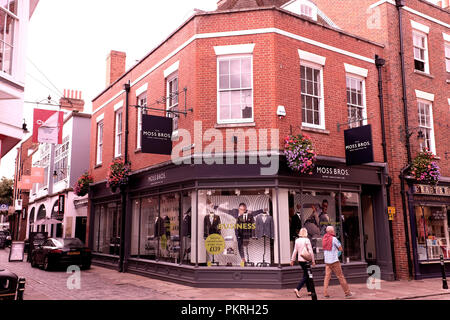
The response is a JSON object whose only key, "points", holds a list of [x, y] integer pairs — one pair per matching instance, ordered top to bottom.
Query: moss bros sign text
{"points": [[157, 134], [358, 145]]}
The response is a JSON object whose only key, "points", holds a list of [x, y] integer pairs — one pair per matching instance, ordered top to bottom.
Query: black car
{"points": [[4, 239], [61, 252]]}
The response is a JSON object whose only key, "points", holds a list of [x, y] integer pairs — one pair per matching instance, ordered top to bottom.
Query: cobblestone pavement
{"points": [[105, 284]]}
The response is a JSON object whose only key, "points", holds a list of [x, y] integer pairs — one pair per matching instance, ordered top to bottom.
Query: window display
{"points": [[244, 219], [432, 225], [186, 227], [107, 228]]}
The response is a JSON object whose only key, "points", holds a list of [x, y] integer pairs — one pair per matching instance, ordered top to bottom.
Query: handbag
{"points": [[305, 254]]}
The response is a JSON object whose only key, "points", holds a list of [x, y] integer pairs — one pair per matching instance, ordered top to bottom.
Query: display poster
{"points": [[17, 251]]}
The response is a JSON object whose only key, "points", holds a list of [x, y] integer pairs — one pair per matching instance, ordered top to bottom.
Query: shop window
{"points": [[235, 89], [243, 222], [350, 226], [107, 228], [169, 228], [186, 228], [432, 229], [149, 233]]}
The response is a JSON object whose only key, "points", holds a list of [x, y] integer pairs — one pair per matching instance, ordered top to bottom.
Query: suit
{"points": [[296, 225], [186, 226], [159, 227], [211, 228], [264, 228]]}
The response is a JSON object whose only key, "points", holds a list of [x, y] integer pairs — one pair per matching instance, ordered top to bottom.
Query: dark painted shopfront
{"points": [[429, 208], [173, 210]]}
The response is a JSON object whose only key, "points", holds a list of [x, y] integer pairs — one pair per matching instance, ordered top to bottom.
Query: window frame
{"points": [[3, 42], [228, 57], [447, 58], [426, 62], [319, 67], [139, 99], [364, 99], [174, 107], [431, 128], [118, 134], [99, 148]]}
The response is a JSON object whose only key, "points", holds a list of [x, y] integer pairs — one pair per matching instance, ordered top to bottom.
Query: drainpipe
{"points": [[400, 4], [379, 62], [123, 189]]}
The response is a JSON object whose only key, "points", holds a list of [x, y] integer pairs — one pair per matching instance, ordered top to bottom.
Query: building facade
{"points": [[15, 16], [247, 74], [417, 103], [54, 199]]}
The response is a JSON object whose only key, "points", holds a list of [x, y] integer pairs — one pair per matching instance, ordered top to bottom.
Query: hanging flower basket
{"points": [[300, 154], [425, 169], [117, 175], [81, 188]]}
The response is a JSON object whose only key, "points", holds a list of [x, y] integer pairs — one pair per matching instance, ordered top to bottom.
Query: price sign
{"points": [[391, 213], [215, 244]]}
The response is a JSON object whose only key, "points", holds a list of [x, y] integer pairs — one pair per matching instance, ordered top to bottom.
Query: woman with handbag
{"points": [[305, 253]]}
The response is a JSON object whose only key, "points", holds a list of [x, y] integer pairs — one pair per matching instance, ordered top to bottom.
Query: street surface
{"points": [[105, 284]]}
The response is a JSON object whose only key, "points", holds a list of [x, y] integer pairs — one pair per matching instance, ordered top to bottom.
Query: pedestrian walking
{"points": [[331, 249], [304, 253]]}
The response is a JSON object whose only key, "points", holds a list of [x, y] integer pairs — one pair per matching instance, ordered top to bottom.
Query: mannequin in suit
{"points": [[186, 224], [211, 224], [296, 224], [264, 226]]}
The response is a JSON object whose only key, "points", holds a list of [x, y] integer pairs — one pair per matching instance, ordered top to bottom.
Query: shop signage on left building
{"points": [[47, 126], [157, 134], [358, 145]]}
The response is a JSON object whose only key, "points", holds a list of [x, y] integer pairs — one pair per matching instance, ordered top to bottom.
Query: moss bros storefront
{"points": [[429, 208], [184, 225]]}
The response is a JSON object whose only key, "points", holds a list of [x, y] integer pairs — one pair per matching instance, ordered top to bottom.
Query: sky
{"points": [[69, 40]]}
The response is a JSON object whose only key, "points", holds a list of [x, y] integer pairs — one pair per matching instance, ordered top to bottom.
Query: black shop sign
{"points": [[157, 134], [358, 145]]}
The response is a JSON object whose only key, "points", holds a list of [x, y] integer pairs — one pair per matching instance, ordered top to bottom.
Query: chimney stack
{"points": [[115, 66], [72, 101]]}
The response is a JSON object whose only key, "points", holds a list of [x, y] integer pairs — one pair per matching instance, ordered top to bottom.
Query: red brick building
{"points": [[425, 33], [258, 68]]}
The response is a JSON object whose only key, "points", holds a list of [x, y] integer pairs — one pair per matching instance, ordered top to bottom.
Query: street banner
{"points": [[47, 126], [157, 134], [358, 145], [37, 175], [25, 183]]}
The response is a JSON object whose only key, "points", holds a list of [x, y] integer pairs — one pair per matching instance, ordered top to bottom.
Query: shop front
{"points": [[430, 225], [229, 226]]}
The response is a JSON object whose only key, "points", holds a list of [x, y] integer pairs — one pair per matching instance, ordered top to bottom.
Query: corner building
{"points": [[234, 67], [421, 224]]}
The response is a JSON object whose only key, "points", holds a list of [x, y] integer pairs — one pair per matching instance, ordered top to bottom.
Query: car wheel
{"points": [[46, 264]]}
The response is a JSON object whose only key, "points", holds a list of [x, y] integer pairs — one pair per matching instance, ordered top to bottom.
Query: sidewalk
{"points": [[105, 284]]}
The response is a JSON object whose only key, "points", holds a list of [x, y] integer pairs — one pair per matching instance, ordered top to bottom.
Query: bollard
{"points": [[444, 278], [311, 283], [20, 289]]}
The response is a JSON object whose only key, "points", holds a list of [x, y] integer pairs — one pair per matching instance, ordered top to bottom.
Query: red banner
{"points": [[47, 126], [37, 175], [25, 183]]}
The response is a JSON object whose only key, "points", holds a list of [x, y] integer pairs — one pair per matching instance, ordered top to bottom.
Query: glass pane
{"points": [[13, 6], [2, 24], [9, 31], [7, 59], [246, 65], [235, 66], [224, 67], [302, 72], [309, 74], [246, 80], [235, 81], [224, 82], [309, 87], [224, 98], [316, 104], [236, 111], [225, 112], [309, 116], [316, 118], [243, 219], [350, 224], [135, 228], [150, 228], [170, 239]]}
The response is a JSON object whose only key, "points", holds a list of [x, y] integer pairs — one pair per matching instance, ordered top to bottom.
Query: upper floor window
{"points": [[8, 9], [306, 10], [420, 52], [447, 58], [235, 89], [312, 95], [172, 99], [141, 101], [356, 101], [426, 125], [99, 142], [118, 144], [61, 161]]}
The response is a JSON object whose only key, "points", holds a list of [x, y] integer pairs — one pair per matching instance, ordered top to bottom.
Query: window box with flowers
{"points": [[300, 154], [424, 168], [117, 175], [81, 188]]}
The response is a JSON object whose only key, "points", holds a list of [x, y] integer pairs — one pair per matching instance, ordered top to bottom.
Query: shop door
{"points": [[80, 228], [368, 228]]}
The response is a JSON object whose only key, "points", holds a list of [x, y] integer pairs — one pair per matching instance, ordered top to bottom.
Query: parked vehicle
{"points": [[3, 239], [61, 252]]}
